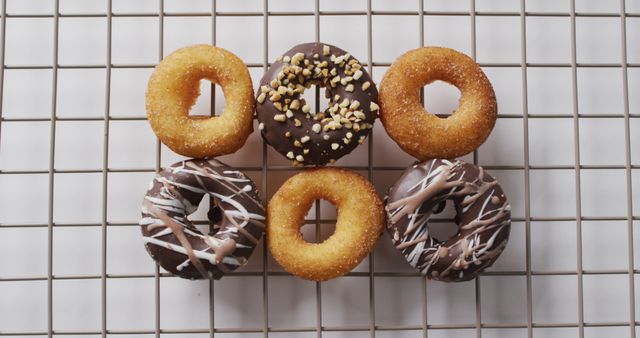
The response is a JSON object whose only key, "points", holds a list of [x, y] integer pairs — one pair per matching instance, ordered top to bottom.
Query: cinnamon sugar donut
{"points": [[173, 89], [425, 135], [358, 227]]}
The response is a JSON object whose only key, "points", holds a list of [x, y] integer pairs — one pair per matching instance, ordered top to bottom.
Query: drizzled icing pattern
{"points": [[236, 215], [483, 216]]}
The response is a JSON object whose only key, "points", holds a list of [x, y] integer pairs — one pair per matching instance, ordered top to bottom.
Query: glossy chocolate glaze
{"points": [[289, 127], [483, 216], [236, 218]]}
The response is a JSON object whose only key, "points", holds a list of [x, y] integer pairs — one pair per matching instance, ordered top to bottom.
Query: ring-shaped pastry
{"points": [[173, 89], [297, 130], [424, 135], [483, 217], [236, 219], [358, 227]]}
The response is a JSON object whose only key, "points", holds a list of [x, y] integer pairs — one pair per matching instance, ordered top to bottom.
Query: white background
{"points": [[498, 299]]}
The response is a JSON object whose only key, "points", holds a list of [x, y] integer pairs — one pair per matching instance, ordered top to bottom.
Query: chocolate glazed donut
{"points": [[303, 135], [236, 215], [483, 216]]}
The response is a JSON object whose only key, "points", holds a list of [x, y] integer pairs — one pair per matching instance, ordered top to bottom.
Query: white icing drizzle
{"points": [[165, 208], [482, 220]]}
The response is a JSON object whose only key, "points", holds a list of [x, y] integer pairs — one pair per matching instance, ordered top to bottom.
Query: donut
{"points": [[173, 89], [296, 130], [422, 134], [483, 217], [236, 219], [359, 223]]}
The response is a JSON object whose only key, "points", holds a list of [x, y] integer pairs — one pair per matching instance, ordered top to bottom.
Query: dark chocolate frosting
{"points": [[303, 135], [236, 216], [483, 216]]}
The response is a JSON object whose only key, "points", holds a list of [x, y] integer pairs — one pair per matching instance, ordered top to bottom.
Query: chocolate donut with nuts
{"points": [[304, 135], [483, 217], [236, 219]]}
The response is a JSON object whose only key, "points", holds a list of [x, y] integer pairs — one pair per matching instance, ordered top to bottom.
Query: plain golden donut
{"points": [[173, 89], [425, 135], [358, 227]]}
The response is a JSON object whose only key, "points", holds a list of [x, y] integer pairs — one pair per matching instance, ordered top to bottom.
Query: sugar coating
{"points": [[173, 89], [425, 135], [358, 227]]}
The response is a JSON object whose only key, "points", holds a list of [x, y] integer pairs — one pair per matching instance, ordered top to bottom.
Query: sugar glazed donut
{"points": [[173, 89], [292, 127], [424, 135], [236, 216], [483, 216], [358, 227]]}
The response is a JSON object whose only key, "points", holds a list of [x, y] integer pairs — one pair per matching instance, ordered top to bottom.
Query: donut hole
{"points": [[309, 97], [441, 98], [210, 101], [202, 217], [442, 225], [310, 232]]}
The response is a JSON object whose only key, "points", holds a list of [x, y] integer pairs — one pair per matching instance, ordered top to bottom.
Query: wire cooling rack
{"points": [[76, 155]]}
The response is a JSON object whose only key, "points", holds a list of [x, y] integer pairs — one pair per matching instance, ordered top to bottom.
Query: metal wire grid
{"points": [[319, 328]]}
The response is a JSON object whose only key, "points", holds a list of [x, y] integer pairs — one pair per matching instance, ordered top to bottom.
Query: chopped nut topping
{"points": [[326, 50], [297, 58], [286, 59], [306, 72], [357, 74], [274, 83], [366, 85], [349, 88], [265, 89], [261, 97], [275, 97], [344, 103], [295, 104], [355, 104], [278, 105], [374, 106], [305, 108], [289, 114], [280, 117], [297, 122], [261, 126], [316, 128], [287, 134], [349, 135], [326, 137], [305, 139], [361, 139], [297, 143], [335, 146], [305, 151], [290, 155], [299, 158]]}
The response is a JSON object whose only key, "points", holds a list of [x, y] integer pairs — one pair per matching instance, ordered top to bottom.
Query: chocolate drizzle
{"points": [[311, 137], [483, 218], [176, 244]]}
